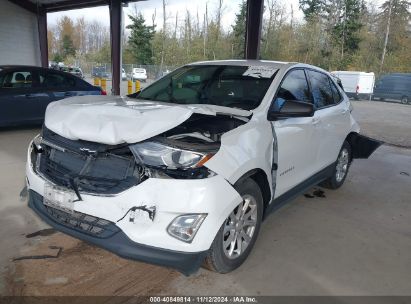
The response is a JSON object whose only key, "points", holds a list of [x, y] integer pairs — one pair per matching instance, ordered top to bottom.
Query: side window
{"points": [[17, 80], [57, 81], [293, 87], [321, 89], [336, 94]]}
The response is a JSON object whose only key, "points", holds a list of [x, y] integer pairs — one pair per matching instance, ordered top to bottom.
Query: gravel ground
{"points": [[389, 122]]}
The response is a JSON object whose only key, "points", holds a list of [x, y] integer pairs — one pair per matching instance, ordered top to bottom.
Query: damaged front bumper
{"points": [[141, 238], [118, 243]]}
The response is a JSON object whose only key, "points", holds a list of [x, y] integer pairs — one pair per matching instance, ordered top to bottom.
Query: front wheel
{"points": [[404, 100], [340, 169], [238, 233]]}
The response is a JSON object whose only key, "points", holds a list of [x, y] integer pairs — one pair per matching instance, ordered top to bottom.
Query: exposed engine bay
{"points": [[203, 129], [110, 169]]}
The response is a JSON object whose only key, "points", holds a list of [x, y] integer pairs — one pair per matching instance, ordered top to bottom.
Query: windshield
{"points": [[240, 87]]}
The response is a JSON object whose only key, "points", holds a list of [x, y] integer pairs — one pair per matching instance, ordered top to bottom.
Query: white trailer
{"points": [[358, 85]]}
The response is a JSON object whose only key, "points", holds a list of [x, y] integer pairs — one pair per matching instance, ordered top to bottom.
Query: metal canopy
{"points": [[62, 5]]}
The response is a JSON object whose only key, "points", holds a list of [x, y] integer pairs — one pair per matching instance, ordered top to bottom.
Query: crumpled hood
{"points": [[114, 120]]}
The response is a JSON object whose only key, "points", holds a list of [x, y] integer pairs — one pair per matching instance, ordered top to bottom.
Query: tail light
{"points": [[103, 92]]}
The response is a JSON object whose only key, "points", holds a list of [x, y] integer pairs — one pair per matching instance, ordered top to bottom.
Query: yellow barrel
{"points": [[96, 81], [104, 84], [137, 86], [129, 87]]}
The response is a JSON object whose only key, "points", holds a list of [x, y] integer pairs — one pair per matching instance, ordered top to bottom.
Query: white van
{"points": [[358, 85]]}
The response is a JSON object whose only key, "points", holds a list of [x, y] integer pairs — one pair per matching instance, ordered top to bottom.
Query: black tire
{"points": [[405, 100], [335, 181], [217, 259]]}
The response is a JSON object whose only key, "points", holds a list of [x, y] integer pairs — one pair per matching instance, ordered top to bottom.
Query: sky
{"points": [[147, 8]]}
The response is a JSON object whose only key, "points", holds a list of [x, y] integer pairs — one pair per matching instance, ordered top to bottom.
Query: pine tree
{"points": [[311, 8], [346, 30], [239, 31], [140, 39], [67, 46]]}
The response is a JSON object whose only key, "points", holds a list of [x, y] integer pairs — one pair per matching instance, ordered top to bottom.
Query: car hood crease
{"points": [[115, 120]]}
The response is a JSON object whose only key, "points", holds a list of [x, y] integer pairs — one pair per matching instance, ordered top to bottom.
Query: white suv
{"points": [[183, 174]]}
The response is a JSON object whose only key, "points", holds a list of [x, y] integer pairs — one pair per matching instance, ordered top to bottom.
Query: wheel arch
{"points": [[260, 177]]}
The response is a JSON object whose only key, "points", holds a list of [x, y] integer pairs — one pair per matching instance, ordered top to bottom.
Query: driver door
{"points": [[297, 137]]}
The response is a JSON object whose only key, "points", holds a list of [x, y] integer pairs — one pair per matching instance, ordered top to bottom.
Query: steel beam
{"points": [[73, 4], [76, 4], [27, 5], [255, 9], [42, 29], [115, 39]]}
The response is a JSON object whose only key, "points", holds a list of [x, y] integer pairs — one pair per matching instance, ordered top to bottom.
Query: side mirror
{"points": [[289, 108]]}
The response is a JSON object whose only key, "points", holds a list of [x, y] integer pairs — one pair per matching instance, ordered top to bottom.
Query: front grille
{"points": [[105, 170], [83, 223]]}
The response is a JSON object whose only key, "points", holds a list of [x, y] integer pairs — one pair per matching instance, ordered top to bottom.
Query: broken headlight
{"points": [[156, 154]]}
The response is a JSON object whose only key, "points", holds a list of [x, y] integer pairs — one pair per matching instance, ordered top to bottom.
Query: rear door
{"points": [[21, 96], [332, 115], [297, 137]]}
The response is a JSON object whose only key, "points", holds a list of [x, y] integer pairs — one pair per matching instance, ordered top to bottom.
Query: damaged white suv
{"points": [[182, 173]]}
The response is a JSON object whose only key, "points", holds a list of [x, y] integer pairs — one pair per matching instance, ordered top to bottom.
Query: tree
{"points": [[311, 8], [395, 14], [346, 29], [239, 31], [66, 33], [140, 39], [67, 48]]}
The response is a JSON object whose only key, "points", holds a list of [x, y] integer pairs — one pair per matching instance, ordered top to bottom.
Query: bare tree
{"points": [[218, 21], [387, 33], [163, 36]]}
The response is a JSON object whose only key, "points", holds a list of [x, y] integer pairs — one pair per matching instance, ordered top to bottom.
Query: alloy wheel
{"points": [[342, 165], [239, 227]]}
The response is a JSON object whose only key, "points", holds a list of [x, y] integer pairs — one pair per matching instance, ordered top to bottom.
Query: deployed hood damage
{"points": [[115, 120], [99, 145]]}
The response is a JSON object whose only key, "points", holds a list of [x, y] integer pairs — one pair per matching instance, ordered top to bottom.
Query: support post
{"points": [[255, 9], [42, 29], [115, 30]]}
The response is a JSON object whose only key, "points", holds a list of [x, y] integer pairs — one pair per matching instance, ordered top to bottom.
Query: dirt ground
{"points": [[350, 243], [82, 270]]}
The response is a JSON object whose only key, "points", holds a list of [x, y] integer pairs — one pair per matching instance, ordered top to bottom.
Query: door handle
{"points": [[315, 121]]}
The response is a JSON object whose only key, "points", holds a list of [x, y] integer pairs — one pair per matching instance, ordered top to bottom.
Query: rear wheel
{"points": [[405, 100], [341, 168], [238, 233]]}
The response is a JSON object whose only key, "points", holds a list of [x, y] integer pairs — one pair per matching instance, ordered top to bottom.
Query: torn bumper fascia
{"points": [[363, 146], [171, 197]]}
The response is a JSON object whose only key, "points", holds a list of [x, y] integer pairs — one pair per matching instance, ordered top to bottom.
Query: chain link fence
{"points": [[153, 71]]}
